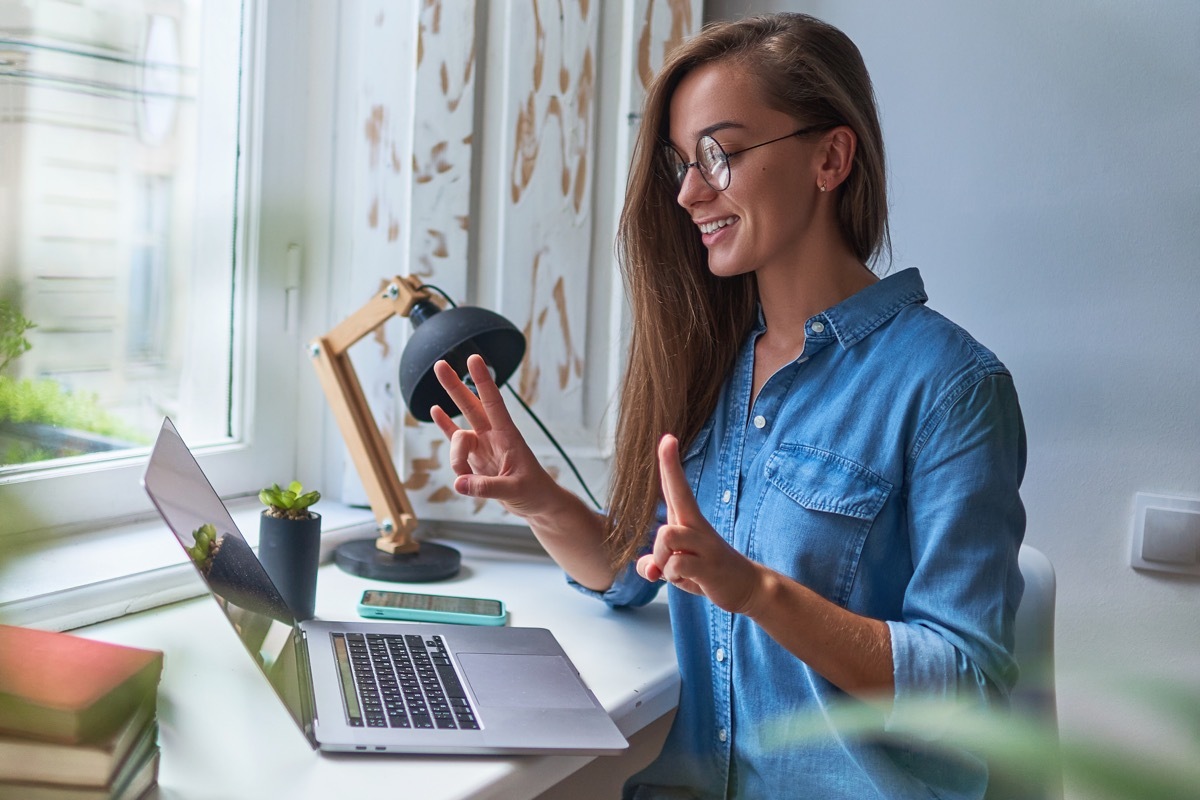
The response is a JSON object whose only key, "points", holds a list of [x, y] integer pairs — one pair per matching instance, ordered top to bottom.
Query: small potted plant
{"points": [[290, 503], [289, 544]]}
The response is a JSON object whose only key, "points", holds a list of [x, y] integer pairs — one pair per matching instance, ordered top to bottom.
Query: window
{"points": [[144, 232]]}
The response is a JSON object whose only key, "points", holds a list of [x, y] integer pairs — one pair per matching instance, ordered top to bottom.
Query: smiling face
{"points": [[763, 220]]}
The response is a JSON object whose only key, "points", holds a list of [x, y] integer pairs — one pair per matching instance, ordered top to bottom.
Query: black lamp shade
{"points": [[454, 334]]}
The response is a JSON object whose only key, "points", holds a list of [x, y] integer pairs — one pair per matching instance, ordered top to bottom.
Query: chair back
{"points": [[1034, 694]]}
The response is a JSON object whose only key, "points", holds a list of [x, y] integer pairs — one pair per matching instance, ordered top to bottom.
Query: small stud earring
{"points": [[824, 185]]}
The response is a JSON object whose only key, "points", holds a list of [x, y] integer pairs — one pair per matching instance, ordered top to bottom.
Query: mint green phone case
{"points": [[412, 611]]}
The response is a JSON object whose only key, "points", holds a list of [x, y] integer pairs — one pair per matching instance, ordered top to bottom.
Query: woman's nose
{"points": [[693, 187]]}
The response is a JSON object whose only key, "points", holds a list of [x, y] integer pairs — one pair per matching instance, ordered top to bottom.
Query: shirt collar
{"points": [[857, 316]]}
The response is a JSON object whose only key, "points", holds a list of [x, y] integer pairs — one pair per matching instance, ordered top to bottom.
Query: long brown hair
{"points": [[688, 324]]}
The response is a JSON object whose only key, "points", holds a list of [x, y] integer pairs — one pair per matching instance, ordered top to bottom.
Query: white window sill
{"points": [[70, 581], [60, 583]]}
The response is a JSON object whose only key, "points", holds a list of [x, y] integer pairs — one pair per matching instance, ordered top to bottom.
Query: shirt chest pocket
{"points": [[814, 515]]}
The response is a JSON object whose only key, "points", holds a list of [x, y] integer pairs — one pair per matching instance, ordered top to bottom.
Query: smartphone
{"points": [[378, 604]]}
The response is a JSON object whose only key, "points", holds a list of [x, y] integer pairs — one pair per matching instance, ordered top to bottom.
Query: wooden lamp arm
{"points": [[368, 450]]}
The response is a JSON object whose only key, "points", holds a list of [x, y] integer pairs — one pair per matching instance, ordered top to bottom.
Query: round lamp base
{"points": [[432, 562]]}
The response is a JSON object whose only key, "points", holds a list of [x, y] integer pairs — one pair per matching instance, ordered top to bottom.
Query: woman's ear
{"points": [[835, 156]]}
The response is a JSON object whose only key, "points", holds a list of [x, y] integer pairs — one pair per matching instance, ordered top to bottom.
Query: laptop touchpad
{"points": [[523, 681]]}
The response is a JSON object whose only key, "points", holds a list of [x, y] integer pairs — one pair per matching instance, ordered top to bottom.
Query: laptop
{"points": [[381, 687]]}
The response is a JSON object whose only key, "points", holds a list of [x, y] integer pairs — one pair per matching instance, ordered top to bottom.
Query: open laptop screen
{"points": [[195, 514]]}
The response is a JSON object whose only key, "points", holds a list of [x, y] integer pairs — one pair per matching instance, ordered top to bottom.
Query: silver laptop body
{"points": [[350, 686]]}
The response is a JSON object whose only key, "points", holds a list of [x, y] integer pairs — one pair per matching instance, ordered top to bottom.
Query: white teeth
{"points": [[710, 227]]}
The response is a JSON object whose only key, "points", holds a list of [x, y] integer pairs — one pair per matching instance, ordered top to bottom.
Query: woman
{"points": [[838, 483]]}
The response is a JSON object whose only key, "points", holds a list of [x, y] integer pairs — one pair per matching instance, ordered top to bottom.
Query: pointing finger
{"points": [[681, 503]]}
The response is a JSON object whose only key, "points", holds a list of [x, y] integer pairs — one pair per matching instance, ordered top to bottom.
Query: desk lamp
{"points": [[451, 334]]}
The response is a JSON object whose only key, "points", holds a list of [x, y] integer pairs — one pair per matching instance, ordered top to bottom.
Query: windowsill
{"points": [[65, 582], [60, 583]]}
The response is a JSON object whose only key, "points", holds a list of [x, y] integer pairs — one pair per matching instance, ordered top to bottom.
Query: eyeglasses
{"points": [[712, 161]]}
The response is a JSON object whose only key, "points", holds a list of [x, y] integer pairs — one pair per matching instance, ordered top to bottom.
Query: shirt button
{"points": [[818, 327], [760, 421], [725, 497], [720, 654], [722, 735]]}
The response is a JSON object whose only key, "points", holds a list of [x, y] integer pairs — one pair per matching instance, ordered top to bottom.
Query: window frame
{"points": [[281, 161]]}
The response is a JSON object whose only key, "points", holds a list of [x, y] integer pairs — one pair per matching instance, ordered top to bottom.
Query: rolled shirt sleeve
{"points": [[966, 522], [629, 589]]}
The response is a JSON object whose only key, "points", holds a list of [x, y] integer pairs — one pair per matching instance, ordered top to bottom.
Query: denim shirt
{"points": [[880, 469]]}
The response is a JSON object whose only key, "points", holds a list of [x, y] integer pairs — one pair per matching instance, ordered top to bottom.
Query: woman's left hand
{"points": [[688, 553]]}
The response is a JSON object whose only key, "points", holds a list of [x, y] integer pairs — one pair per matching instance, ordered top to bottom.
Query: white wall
{"points": [[1045, 168]]}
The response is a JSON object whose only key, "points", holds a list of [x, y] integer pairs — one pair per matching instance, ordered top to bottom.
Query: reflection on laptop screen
{"points": [[238, 582]]}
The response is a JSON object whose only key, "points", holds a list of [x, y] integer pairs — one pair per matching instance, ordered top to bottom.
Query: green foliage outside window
{"points": [[12, 333], [43, 402]]}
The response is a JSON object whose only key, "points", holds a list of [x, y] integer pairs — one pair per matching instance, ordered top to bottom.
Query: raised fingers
{"points": [[489, 392], [463, 397], [443, 421], [677, 492]]}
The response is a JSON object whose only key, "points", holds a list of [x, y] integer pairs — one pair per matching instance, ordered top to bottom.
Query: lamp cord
{"points": [[534, 416], [557, 447]]}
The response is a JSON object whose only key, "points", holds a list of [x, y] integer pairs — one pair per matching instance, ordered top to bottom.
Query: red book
{"points": [[69, 689]]}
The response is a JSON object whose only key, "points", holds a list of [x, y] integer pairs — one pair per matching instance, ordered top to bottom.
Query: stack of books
{"points": [[78, 717]]}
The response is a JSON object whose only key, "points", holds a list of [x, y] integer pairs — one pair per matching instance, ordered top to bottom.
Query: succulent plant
{"points": [[290, 503]]}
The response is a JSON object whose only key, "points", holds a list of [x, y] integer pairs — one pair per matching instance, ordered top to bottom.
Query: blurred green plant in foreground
{"points": [[1025, 751]]}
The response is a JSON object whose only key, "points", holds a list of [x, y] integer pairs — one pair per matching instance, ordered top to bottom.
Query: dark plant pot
{"points": [[290, 551]]}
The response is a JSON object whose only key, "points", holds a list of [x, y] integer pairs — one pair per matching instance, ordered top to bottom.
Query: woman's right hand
{"points": [[490, 458]]}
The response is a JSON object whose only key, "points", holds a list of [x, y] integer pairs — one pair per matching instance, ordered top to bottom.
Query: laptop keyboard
{"points": [[401, 681]]}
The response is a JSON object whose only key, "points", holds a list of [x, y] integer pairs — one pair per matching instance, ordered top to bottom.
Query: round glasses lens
{"points": [[714, 164], [678, 167]]}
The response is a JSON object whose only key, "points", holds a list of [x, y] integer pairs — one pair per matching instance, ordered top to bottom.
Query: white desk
{"points": [[224, 735]]}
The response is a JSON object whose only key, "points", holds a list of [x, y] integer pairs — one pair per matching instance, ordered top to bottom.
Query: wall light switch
{"points": [[1166, 534]]}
